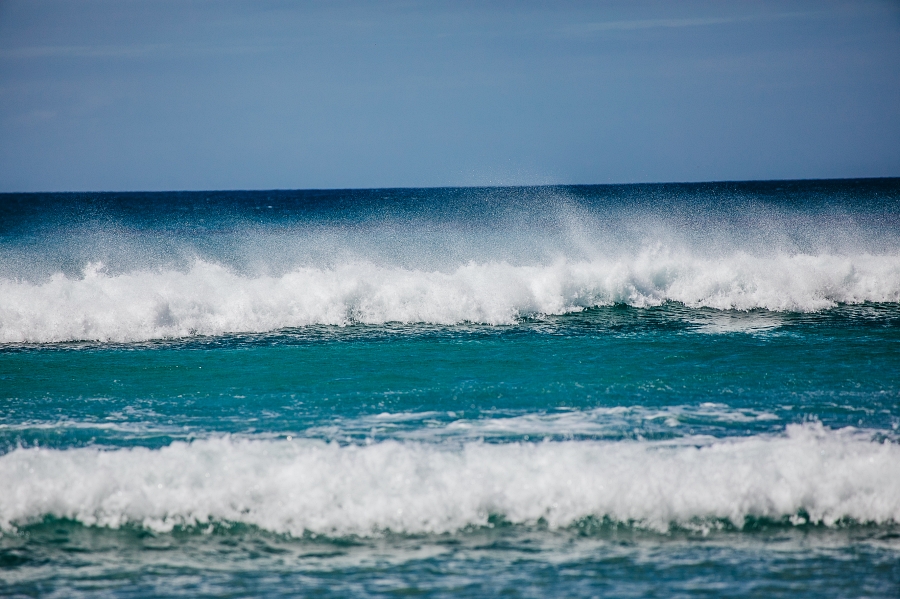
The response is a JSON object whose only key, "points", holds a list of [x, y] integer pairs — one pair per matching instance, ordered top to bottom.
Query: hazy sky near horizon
{"points": [[159, 95]]}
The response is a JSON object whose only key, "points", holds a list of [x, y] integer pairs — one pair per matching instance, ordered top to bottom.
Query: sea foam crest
{"points": [[211, 299], [305, 486]]}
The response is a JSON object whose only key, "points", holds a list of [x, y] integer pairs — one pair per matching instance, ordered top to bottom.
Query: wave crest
{"points": [[210, 299], [305, 486]]}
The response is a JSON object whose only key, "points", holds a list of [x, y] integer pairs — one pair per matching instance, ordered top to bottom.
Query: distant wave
{"points": [[210, 299], [810, 473]]}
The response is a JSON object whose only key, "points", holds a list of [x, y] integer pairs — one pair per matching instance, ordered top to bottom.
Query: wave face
{"points": [[132, 267], [809, 474]]}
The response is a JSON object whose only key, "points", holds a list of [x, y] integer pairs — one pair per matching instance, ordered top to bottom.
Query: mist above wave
{"points": [[276, 232], [211, 299], [809, 474]]}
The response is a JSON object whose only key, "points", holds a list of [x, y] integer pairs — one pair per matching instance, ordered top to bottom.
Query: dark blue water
{"points": [[678, 390]]}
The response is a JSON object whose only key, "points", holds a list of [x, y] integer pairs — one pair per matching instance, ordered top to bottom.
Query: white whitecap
{"points": [[210, 299], [302, 486]]}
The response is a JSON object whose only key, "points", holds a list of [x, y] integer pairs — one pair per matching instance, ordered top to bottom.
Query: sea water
{"points": [[617, 391]]}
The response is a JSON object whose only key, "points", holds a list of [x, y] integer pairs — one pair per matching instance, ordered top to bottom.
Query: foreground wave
{"points": [[210, 299], [810, 473]]}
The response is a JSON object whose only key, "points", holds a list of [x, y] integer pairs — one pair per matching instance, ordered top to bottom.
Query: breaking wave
{"points": [[210, 299], [300, 486]]}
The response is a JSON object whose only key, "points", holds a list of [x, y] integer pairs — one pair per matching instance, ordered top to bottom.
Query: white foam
{"points": [[210, 299], [560, 423], [310, 486]]}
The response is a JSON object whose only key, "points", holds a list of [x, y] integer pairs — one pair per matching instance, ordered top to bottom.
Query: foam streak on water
{"points": [[307, 486]]}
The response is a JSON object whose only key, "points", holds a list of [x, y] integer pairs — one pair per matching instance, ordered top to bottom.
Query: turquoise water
{"points": [[679, 390]]}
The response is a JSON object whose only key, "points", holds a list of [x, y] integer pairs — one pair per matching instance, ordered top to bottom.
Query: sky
{"points": [[195, 95]]}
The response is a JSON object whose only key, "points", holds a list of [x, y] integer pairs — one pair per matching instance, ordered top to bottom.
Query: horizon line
{"points": [[425, 187]]}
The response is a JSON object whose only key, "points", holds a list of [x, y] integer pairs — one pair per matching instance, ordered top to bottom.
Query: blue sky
{"points": [[160, 95]]}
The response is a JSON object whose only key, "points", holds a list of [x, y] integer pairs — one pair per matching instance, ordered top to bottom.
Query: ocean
{"points": [[673, 390]]}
